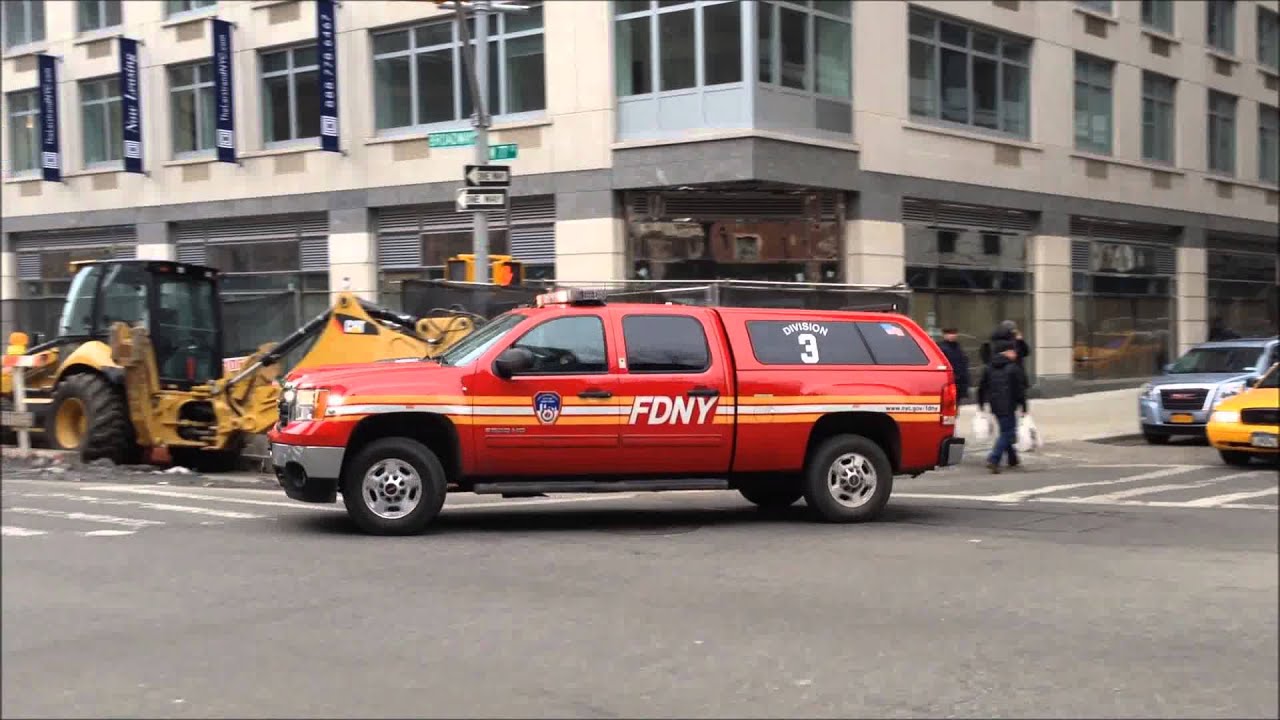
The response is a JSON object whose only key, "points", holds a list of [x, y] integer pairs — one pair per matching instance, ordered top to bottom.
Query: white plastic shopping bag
{"points": [[981, 429], [1029, 438]]}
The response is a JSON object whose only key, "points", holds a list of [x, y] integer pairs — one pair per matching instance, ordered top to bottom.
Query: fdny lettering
{"points": [[807, 327], [661, 410]]}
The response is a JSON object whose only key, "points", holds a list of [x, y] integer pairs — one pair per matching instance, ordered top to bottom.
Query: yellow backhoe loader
{"points": [[137, 363]]}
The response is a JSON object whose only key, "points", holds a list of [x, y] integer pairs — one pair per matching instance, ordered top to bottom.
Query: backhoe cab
{"points": [[137, 363]]}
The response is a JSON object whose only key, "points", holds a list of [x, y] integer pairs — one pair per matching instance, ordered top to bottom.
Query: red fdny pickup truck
{"points": [[576, 395]]}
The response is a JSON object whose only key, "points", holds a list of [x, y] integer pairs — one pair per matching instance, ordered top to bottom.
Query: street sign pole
{"points": [[478, 80]]}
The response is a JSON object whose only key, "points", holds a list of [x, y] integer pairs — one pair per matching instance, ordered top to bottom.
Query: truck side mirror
{"points": [[512, 361]]}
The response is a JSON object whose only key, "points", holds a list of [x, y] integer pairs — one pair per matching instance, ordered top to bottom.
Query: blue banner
{"points": [[327, 42], [223, 92], [131, 105], [50, 155]]}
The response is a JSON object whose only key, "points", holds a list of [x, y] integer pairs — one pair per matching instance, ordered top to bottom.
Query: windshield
{"points": [[77, 314], [185, 335], [474, 345], [1216, 360], [1271, 379]]}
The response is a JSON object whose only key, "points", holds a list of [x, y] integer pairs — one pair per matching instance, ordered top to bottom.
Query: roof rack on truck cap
{"points": [[571, 296]]}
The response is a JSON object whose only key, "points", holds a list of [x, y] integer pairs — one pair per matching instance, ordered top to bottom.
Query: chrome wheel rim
{"points": [[851, 480], [392, 489]]}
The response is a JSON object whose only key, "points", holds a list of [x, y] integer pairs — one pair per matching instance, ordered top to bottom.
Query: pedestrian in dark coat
{"points": [[1006, 331], [958, 359], [1004, 388]]}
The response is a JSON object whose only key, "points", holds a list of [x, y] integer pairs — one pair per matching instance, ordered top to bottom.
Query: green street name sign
{"points": [[452, 138], [467, 138]]}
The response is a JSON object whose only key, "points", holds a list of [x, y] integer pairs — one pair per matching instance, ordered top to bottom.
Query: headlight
{"points": [[1230, 389], [1149, 391], [309, 404], [1225, 416]]}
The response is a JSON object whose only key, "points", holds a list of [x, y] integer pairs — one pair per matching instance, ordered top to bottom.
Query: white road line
{"points": [[1137, 492], [1020, 495], [942, 496], [1219, 500], [1184, 504], [324, 506], [163, 507], [86, 517], [15, 531], [107, 533]]}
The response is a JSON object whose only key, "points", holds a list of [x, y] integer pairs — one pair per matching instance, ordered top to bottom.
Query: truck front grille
{"points": [[1189, 399], [1260, 416]]}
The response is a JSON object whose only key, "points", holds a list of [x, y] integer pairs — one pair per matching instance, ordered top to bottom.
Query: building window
{"points": [[1102, 6], [177, 7], [97, 15], [1158, 15], [23, 22], [1220, 26], [1269, 38], [806, 48], [685, 58], [420, 76], [969, 76], [290, 95], [1093, 104], [192, 107], [1158, 117], [100, 120], [24, 131], [1222, 133], [1269, 144]]}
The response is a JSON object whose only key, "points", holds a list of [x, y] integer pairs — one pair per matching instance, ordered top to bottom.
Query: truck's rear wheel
{"points": [[89, 415], [848, 479], [394, 486], [781, 494]]}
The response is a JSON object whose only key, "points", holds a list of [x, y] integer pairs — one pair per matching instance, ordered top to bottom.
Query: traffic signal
{"points": [[503, 269], [507, 271]]}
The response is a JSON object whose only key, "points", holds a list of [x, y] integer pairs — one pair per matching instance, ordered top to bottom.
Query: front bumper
{"points": [[1158, 421], [1239, 437], [951, 452], [306, 472]]}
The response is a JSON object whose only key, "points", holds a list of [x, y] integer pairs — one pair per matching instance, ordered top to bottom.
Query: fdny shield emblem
{"points": [[546, 405]]}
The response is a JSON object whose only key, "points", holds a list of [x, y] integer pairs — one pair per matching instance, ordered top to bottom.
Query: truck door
{"points": [[676, 391], [558, 418]]}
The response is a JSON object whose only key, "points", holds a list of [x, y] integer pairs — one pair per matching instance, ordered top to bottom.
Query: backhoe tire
{"points": [[89, 415]]}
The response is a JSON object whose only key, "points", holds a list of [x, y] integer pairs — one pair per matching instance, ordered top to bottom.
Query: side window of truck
{"points": [[822, 342], [665, 344], [566, 346]]}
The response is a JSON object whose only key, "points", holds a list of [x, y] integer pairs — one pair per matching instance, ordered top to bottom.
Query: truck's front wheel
{"points": [[848, 479], [394, 486]]}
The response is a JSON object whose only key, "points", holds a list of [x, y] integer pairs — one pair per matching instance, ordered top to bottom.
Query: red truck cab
{"points": [[576, 395]]}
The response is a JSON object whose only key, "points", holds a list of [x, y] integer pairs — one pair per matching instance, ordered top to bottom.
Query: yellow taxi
{"points": [[1248, 425]]}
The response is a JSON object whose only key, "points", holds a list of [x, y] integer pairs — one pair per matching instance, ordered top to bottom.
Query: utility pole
{"points": [[476, 60]]}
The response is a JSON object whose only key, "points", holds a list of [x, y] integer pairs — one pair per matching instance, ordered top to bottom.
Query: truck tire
{"points": [[89, 415], [1235, 457], [848, 478], [394, 486], [774, 496]]}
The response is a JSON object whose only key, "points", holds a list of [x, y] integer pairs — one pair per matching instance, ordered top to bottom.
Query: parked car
{"points": [[1180, 401], [1247, 426]]}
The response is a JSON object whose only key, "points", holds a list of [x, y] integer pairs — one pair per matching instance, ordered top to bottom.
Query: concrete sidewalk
{"points": [[1090, 416]]}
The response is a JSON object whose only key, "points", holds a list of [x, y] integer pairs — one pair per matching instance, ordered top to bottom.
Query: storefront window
{"points": [[726, 243], [970, 280], [1244, 295], [1123, 312]]}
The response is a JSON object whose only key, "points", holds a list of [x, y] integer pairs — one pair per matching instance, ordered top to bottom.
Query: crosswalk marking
{"points": [[1145, 490], [1019, 495], [1220, 500], [163, 507], [86, 517], [15, 531], [107, 533]]}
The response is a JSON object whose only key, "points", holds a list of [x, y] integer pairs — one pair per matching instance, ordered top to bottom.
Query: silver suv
{"points": [[1180, 401]]}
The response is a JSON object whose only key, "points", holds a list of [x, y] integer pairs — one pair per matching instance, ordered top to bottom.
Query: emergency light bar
{"points": [[571, 296]]}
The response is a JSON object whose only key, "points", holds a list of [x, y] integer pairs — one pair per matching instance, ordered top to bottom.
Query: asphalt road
{"points": [[977, 596]]}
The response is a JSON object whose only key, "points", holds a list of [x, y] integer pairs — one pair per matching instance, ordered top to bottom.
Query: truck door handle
{"points": [[703, 392], [595, 394]]}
